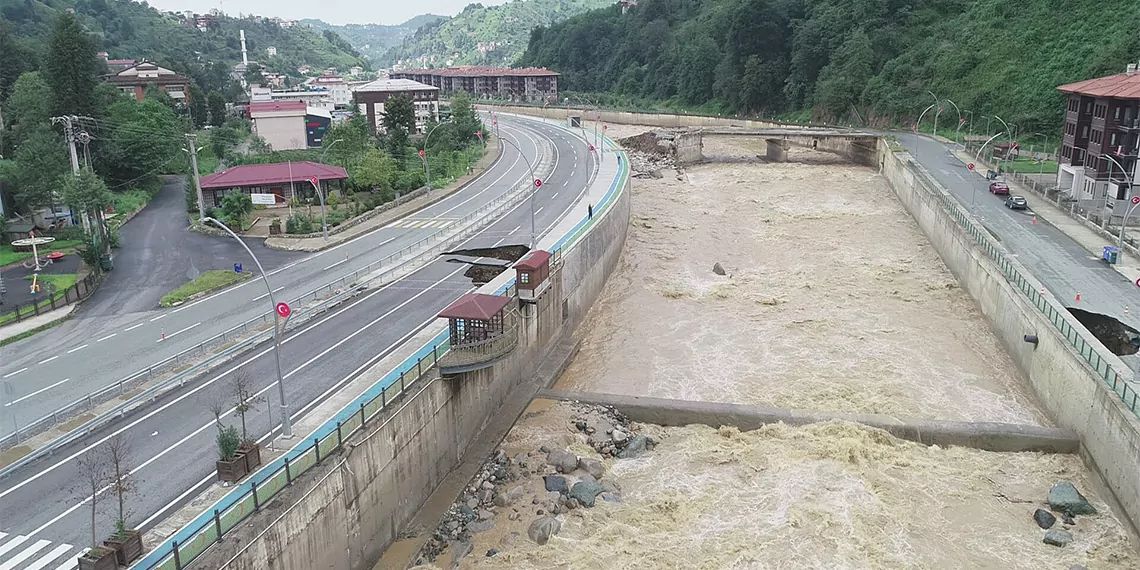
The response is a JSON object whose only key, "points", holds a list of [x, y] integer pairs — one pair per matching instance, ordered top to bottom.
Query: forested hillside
{"points": [[133, 30], [484, 35], [374, 40], [845, 60]]}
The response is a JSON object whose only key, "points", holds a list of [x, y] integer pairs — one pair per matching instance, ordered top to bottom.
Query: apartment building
{"points": [[525, 84], [371, 97], [1101, 142]]}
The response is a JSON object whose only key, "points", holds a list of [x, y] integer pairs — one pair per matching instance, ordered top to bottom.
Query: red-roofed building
{"points": [[134, 79], [524, 84], [1101, 142], [273, 184], [532, 274], [483, 329]]}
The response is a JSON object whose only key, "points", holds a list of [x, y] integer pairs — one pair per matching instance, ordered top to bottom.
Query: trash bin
{"points": [[1111, 254], [106, 263]]}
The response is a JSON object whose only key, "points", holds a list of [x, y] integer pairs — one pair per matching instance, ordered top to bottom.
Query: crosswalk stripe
{"points": [[20, 539], [24, 555], [46, 559], [73, 563]]}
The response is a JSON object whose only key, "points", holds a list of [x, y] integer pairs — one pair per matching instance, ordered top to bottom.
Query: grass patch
{"points": [[1029, 166], [8, 257], [61, 282], [204, 283]]}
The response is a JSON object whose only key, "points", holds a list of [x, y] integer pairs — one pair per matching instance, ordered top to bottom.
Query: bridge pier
{"points": [[689, 147], [777, 150]]}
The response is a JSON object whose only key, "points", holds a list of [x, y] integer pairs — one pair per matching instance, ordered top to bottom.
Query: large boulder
{"points": [[635, 447], [564, 461], [591, 466], [556, 483], [585, 492], [1065, 498], [1044, 518], [542, 529], [1058, 537]]}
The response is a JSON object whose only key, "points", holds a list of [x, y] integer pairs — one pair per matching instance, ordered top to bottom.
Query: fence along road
{"points": [[135, 344], [173, 439]]}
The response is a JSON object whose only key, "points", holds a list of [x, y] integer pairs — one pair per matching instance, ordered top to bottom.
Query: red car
{"points": [[999, 189]]}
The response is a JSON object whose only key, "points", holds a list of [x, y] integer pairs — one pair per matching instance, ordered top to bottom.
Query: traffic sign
{"points": [[605, 127], [591, 148], [421, 154], [970, 166], [537, 183], [1135, 200], [1138, 281], [283, 310]]}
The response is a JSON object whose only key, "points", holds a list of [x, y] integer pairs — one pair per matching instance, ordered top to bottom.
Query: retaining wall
{"points": [[629, 118], [1077, 395], [348, 516]]}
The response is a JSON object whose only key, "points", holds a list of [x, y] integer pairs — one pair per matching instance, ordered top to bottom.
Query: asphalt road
{"points": [[1061, 264], [59, 366], [42, 510]]}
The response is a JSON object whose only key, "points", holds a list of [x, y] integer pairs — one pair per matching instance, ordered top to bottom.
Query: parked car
{"points": [[999, 188], [1016, 203]]}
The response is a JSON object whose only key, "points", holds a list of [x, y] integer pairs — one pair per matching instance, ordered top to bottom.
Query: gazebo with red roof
{"points": [[283, 181], [532, 275], [482, 330]]}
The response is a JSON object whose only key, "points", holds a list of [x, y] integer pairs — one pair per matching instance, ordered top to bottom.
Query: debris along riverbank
{"points": [[832, 494]]}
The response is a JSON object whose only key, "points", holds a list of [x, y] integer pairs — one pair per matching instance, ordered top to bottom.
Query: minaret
{"points": [[244, 57]]}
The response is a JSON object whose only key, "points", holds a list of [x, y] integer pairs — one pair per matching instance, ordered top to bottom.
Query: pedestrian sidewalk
{"points": [[408, 208], [1078, 230], [39, 321]]}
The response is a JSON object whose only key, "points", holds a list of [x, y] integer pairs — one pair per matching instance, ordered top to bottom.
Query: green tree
{"points": [[15, 59], [72, 68], [253, 74], [841, 83], [217, 105], [29, 106], [199, 114], [399, 122], [465, 123], [355, 140], [145, 143], [41, 162], [375, 171], [86, 192], [236, 208]]}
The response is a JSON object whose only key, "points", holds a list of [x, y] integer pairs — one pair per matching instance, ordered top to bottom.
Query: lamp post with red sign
{"points": [[423, 155], [534, 189], [1135, 202], [279, 311]]}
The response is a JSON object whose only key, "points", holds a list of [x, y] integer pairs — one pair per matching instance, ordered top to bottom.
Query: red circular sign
{"points": [[605, 127], [591, 148], [421, 154], [970, 166], [537, 183], [1136, 199], [1138, 281], [283, 310]]}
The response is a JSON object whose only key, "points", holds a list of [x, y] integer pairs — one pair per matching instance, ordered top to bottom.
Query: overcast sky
{"points": [[331, 11]]}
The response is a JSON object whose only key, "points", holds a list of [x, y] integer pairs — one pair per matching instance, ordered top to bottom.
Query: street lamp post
{"points": [[937, 102], [916, 125], [970, 129], [958, 132], [1009, 150], [323, 152], [423, 154], [976, 158], [1123, 172], [535, 182], [324, 215], [286, 422]]}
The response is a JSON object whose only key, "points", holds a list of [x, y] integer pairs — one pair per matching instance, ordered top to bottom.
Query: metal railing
{"points": [[405, 260], [55, 299], [1060, 318], [263, 485]]}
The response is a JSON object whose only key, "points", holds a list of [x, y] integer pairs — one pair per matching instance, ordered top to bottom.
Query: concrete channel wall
{"points": [[1073, 392], [346, 516]]}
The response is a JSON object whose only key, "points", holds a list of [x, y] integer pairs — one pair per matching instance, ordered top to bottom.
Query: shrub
{"points": [[298, 224], [229, 439]]}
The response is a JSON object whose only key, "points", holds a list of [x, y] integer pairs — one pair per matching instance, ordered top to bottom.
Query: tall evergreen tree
{"points": [[72, 68], [217, 105], [399, 122]]}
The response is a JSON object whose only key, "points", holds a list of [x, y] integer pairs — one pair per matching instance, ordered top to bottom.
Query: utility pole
{"points": [[69, 133], [192, 140]]}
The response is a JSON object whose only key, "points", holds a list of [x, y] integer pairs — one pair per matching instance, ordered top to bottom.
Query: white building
{"points": [[335, 86], [371, 96]]}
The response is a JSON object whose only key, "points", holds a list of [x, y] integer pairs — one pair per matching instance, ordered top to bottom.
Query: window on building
{"points": [[1088, 107], [1116, 112], [1085, 132], [1067, 151], [524, 278]]}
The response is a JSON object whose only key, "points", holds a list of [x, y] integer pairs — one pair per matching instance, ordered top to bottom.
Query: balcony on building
{"points": [[532, 275], [483, 329]]}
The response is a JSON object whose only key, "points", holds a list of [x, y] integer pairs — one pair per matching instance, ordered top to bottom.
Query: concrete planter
{"points": [[128, 546], [99, 559]]}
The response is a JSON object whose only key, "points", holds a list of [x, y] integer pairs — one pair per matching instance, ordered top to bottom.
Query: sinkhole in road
{"points": [[487, 263], [1116, 336]]}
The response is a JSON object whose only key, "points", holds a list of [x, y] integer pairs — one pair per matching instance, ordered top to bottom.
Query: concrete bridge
{"points": [[860, 147]]}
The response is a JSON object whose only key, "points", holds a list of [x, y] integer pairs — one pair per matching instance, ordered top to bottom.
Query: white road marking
{"points": [[554, 195], [539, 210], [517, 228], [499, 242], [335, 264], [264, 295], [160, 317], [129, 329], [178, 332], [107, 337], [77, 348], [45, 361], [10, 374], [36, 393], [20, 539], [24, 555], [50, 556], [74, 562]]}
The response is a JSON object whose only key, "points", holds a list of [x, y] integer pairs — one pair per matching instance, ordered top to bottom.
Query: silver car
{"points": [[1016, 203]]}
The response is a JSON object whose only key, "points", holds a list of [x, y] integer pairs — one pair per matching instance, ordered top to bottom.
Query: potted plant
{"points": [[275, 227], [242, 389], [231, 464], [93, 476], [126, 542]]}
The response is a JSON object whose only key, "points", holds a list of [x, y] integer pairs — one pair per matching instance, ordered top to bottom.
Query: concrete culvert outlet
{"points": [[1118, 337]]}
